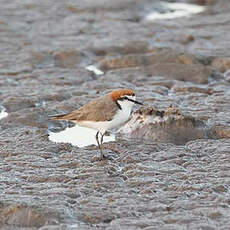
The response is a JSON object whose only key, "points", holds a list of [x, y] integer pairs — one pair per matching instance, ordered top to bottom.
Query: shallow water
{"points": [[174, 10], [94, 69], [3, 112], [78, 136]]}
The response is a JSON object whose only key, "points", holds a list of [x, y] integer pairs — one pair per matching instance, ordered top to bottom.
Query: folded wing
{"points": [[100, 109]]}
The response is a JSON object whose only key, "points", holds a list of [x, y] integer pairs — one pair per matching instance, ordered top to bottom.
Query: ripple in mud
{"points": [[45, 49], [78, 136]]}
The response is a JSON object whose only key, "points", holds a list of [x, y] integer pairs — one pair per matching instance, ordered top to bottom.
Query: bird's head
{"points": [[124, 97]]}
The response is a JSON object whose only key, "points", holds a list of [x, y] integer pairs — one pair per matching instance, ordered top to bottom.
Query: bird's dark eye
{"points": [[123, 98]]}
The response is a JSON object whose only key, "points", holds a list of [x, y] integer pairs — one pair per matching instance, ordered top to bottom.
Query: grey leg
{"points": [[102, 136], [98, 140], [100, 145]]}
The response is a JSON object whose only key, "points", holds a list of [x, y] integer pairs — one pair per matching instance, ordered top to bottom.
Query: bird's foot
{"points": [[113, 149], [100, 158]]}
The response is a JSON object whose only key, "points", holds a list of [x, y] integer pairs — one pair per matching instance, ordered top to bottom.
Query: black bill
{"points": [[136, 102]]}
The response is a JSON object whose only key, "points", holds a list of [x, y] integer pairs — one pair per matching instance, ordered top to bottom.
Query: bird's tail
{"points": [[58, 117]]}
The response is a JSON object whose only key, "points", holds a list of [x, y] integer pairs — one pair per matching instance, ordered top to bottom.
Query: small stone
{"points": [[186, 39], [222, 64], [227, 75], [220, 189]]}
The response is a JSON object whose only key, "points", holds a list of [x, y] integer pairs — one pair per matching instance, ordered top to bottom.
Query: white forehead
{"points": [[129, 96]]}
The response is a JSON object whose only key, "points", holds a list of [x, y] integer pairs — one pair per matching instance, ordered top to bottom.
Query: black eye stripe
{"points": [[124, 98], [129, 99]]}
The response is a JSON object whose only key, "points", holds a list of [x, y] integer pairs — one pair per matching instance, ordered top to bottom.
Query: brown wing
{"points": [[100, 109]]}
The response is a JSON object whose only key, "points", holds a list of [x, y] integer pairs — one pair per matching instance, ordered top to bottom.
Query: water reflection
{"points": [[78, 136]]}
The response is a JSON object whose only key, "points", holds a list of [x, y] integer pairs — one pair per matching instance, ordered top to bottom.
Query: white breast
{"points": [[122, 114]]}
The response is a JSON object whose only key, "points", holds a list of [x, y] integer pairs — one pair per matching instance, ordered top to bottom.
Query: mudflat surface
{"points": [[45, 47]]}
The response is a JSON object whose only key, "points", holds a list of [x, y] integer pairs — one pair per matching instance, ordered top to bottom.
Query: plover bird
{"points": [[104, 113]]}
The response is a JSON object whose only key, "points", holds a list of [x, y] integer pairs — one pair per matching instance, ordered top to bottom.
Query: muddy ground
{"points": [[45, 47]]}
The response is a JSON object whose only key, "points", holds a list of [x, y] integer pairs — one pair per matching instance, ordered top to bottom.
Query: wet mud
{"points": [[172, 172]]}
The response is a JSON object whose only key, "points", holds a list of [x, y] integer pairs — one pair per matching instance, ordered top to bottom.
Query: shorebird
{"points": [[104, 113]]}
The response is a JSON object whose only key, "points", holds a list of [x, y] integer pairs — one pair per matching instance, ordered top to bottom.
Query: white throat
{"points": [[125, 104], [122, 114]]}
